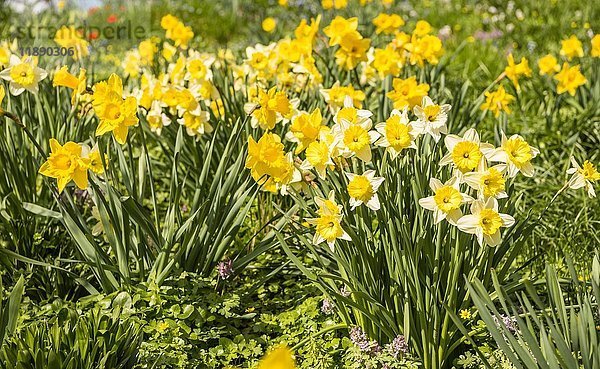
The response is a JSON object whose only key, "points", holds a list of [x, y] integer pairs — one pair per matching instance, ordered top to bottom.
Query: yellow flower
{"points": [[282, 2], [337, 4], [168, 22], [387, 23], [269, 24], [338, 27], [422, 28], [178, 32], [68, 37], [427, 48], [571, 48], [147, 49], [353, 50], [595, 52], [387, 61], [548, 65], [514, 71], [23, 74], [569, 79], [78, 84], [407, 92], [2, 95], [336, 95], [497, 101], [273, 106], [115, 113], [431, 118], [196, 122], [305, 129], [397, 133], [464, 153], [516, 153], [268, 163], [66, 165], [583, 176], [489, 183], [363, 189], [446, 200], [485, 222], [329, 226], [465, 314], [280, 358]]}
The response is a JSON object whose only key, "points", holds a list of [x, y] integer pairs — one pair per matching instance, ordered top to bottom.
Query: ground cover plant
{"points": [[316, 184]]}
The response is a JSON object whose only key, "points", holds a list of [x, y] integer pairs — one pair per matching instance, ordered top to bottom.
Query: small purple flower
{"points": [[225, 269], [327, 307], [509, 323], [360, 339], [397, 346]]}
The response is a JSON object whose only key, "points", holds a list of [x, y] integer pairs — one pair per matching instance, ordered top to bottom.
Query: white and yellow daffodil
{"points": [[23, 74], [431, 118], [397, 133], [465, 153], [516, 153], [583, 176], [489, 182], [363, 189], [446, 200], [485, 222]]}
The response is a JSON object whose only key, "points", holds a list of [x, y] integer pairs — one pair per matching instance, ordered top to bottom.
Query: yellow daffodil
{"points": [[334, 4], [387, 23], [338, 27], [422, 28], [69, 38], [595, 43], [571, 48], [423, 49], [353, 50], [387, 62], [548, 65], [514, 71], [23, 74], [569, 79], [78, 84], [407, 92], [2, 95], [336, 95], [497, 101], [272, 107], [115, 113], [156, 118], [431, 118], [196, 122], [305, 129], [353, 132], [396, 133], [465, 153], [516, 153], [65, 164], [269, 165], [583, 176], [488, 183], [363, 189], [446, 200], [485, 222], [329, 223]]}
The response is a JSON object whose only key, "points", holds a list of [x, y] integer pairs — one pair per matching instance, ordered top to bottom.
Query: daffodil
{"points": [[387, 23], [269, 24], [338, 27], [422, 28], [69, 38], [595, 43], [571, 48], [423, 49], [352, 51], [387, 62], [548, 65], [514, 71], [23, 74], [569, 79], [78, 84], [407, 92], [2, 95], [336, 95], [497, 101], [271, 107], [115, 113], [156, 118], [431, 118], [196, 122], [305, 129], [353, 133], [397, 133], [465, 153], [516, 153], [319, 157], [66, 165], [269, 165], [583, 176], [489, 182], [363, 189], [446, 201], [329, 222], [485, 222]]}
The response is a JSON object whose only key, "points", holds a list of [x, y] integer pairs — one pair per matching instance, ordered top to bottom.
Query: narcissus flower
{"points": [[331, 4], [387, 23], [338, 27], [422, 28], [69, 38], [595, 43], [571, 48], [424, 49], [353, 50], [387, 62], [548, 65], [514, 71], [23, 74], [569, 79], [78, 84], [407, 92], [2, 95], [336, 95], [497, 101], [272, 106], [115, 113], [431, 118], [196, 122], [305, 129], [353, 133], [397, 133], [464, 153], [516, 153], [319, 157], [65, 164], [269, 165], [583, 176], [488, 183], [363, 189], [446, 200], [329, 222], [485, 222], [280, 358]]}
